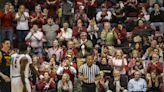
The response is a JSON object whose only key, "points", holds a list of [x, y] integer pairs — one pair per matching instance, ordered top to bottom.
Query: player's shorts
{"points": [[17, 85]]}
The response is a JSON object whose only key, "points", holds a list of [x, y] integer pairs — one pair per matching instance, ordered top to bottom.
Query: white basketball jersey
{"points": [[15, 65]]}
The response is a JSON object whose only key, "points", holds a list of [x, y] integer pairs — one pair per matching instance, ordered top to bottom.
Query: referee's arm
{"points": [[81, 76], [97, 76]]}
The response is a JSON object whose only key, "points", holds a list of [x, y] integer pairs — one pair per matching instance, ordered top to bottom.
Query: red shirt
{"points": [[6, 19], [40, 21], [137, 29], [76, 32], [121, 34], [73, 50], [158, 67], [69, 73], [42, 83]]}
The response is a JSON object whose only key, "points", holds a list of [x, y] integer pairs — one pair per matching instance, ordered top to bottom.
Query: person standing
{"points": [[7, 18], [22, 24], [50, 30], [35, 40], [20, 69], [89, 73], [5, 85]]}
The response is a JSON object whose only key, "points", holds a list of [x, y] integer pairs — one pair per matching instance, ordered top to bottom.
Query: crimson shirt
{"points": [[6, 19], [152, 67]]}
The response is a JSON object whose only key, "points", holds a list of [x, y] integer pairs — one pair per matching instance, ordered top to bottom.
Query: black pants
{"points": [[91, 12], [5, 86], [90, 87]]}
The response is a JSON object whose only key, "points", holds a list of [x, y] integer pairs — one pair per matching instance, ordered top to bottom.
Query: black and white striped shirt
{"points": [[89, 72]]}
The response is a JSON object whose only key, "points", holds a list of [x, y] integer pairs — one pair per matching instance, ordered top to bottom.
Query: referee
{"points": [[88, 73]]}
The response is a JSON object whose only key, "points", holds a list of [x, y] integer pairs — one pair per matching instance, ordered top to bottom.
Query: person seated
{"points": [[152, 2], [131, 9], [118, 13], [81, 14], [104, 14], [144, 14], [156, 18], [141, 26], [78, 28], [93, 32], [121, 32], [65, 33], [108, 35], [84, 45], [70, 48], [153, 49], [56, 50], [108, 50], [119, 62], [136, 64], [155, 65], [104, 66], [66, 67], [52, 68], [153, 82], [45, 83], [102, 83], [65, 84], [117, 84], [137, 84]]}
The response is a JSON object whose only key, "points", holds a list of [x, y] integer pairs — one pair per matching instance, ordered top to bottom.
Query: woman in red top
{"points": [[37, 16], [7, 18], [141, 26], [78, 28], [121, 32], [155, 65], [45, 83]]}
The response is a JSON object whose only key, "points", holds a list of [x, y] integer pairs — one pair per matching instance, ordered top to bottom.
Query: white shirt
{"points": [[108, 17], [22, 23], [66, 34], [35, 39], [83, 47], [15, 66], [61, 69]]}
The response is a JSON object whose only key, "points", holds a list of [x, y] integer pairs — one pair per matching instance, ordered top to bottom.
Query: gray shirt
{"points": [[67, 8], [50, 32], [68, 87]]}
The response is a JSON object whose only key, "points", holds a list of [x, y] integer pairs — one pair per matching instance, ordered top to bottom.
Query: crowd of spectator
{"points": [[89, 45]]}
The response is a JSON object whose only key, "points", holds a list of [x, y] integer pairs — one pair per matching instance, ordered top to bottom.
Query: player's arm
{"points": [[23, 66], [32, 68]]}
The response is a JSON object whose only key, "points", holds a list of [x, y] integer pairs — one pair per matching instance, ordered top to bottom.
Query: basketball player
{"points": [[20, 71]]}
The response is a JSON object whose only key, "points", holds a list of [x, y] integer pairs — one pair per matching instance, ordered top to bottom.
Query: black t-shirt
{"points": [[157, 18], [5, 63]]}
